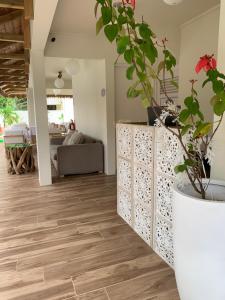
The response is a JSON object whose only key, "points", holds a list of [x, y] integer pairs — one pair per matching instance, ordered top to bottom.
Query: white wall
{"points": [[198, 37], [82, 46], [90, 105], [127, 109]]}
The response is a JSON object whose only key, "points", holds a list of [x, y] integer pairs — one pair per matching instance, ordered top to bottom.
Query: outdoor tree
{"points": [[8, 111]]}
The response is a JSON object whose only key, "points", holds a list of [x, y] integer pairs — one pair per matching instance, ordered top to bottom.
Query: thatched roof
{"points": [[15, 16]]}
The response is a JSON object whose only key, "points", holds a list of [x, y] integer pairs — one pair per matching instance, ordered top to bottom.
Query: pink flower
{"points": [[132, 3], [206, 63]]}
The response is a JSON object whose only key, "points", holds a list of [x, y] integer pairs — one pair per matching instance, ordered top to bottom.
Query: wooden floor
{"points": [[66, 241]]}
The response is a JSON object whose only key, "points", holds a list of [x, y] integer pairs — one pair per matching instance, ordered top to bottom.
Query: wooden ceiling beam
{"points": [[16, 4], [28, 10], [10, 17], [27, 35], [8, 37], [14, 56], [27, 56], [12, 67], [7, 73], [6, 81], [12, 91], [3, 93]]}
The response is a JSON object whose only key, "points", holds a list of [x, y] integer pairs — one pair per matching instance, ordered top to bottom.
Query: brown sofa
{"points": [[84, 158]]}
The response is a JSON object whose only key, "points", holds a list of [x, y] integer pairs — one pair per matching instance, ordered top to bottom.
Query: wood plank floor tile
{"points": [[100, 225], [38, 236], [66, 242], [49, 246], [71, 253], [81, 265], [117, 273], [145, 287], [41, 291], [97, 295]]}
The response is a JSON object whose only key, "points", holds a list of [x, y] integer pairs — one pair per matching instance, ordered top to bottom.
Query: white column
{"points": [[30, 107], [41, 117], [110, 159], [218, 169]]}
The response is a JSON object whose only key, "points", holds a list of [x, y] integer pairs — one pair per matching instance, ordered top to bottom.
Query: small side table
{"points": [[20, 158]]}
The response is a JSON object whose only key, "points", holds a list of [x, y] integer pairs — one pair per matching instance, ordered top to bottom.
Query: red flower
{"points": [[132, 3], [207, 63]]}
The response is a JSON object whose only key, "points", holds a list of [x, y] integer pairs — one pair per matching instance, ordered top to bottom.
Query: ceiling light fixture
{"points": [[173, 2], [72, 67], [59, 82]]}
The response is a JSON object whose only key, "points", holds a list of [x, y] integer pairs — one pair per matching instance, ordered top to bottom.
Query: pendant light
{"points": [[72, 67], [59, 82]]}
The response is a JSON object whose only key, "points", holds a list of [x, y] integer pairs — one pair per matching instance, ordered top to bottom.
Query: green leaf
{"points": [[101, 1], [121, 9], [130, 12], [106, 15], [121, 20], [99, 25], [145, 31], [111, 32], [122, 44], [150, 51], [128, 56], [170, 60], [141, 63], [161, 66], [130, 72], [221, 75], [141, 76], [205, 82], [218, 86], [133, 93], [221, 95], [214, 100], [145, 102], [192, 105], [219, 108], [184, 115], [201, 116], [185, 129], [202, 129], [189, 162], [180, 168]]}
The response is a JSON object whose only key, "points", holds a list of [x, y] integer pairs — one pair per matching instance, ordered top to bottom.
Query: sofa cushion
{"points": [[67, 138], [76, 138], [88, 140]]}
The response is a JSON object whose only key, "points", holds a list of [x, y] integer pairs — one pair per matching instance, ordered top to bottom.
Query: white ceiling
{"points": [[77, 16], [55, 64]]}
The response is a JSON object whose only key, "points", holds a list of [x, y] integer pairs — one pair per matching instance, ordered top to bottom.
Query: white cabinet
{"points": [[146, 157]]}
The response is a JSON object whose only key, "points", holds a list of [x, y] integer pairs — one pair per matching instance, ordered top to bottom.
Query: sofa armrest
{"points": [[57, 140], [80, 158]]}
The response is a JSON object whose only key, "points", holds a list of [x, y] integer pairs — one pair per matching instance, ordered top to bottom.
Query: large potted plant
{"points": [[199, 203]]}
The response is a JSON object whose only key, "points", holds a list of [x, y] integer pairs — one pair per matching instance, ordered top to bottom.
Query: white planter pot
{"points": [[199, 244]]}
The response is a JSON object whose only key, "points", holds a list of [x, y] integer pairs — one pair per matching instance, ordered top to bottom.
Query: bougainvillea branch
{"points": [[138, 45]]}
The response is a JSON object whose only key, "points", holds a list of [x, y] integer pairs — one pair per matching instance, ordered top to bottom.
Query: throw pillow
{"points": [[67, 138], [76, 138]]}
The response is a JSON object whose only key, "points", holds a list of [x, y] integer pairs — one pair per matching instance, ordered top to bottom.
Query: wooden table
{"points": [[20, 158]]}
